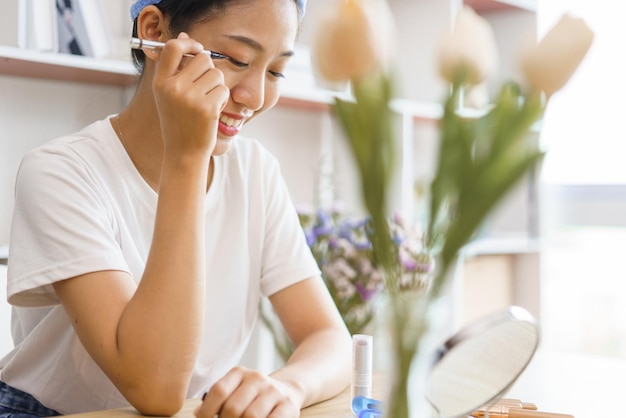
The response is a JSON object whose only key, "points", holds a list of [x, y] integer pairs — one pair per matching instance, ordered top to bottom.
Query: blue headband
{"points": [[140, 4], [138, 7]]}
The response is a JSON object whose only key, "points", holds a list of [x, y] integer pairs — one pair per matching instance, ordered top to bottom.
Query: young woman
{"points": [[141, 245]]}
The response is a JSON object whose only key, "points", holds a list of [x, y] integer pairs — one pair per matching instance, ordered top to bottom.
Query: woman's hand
{"points": [[190, 94], [318, 369], [248, 393]]}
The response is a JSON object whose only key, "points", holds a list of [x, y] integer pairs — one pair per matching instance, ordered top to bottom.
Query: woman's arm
{"points": [[146, 338], [321, 362], [318, 369]]}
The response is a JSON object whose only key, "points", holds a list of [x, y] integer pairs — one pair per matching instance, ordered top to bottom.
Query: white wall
{"points": [[420, 24], [512, 30]]}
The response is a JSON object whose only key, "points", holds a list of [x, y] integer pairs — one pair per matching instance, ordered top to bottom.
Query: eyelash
{"points": [[240, 64]]}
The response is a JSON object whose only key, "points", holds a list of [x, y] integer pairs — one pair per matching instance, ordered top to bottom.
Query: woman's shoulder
{"points": [[91, 136], [76, 146], [75, 155]]}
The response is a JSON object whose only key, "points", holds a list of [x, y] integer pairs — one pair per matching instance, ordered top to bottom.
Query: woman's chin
{"points": [[223, 145]]}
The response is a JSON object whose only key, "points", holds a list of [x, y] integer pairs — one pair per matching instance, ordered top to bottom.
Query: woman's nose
{"points": [[249, 91]]}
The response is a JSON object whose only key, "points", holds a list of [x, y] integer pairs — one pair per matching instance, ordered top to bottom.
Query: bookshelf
{"points": [[65, 67]]}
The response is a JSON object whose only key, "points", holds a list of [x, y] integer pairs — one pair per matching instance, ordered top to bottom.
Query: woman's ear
{"points": [[152, 24]]}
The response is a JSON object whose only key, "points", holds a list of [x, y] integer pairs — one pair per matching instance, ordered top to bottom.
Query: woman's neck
{"points": [[139, 130]]}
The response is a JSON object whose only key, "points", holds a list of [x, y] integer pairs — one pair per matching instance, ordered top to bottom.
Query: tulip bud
{"points": [[353, 40], [470, 47], [549, 65]]}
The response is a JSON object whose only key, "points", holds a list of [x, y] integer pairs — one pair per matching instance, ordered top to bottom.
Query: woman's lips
{"points": [[229, 124]]}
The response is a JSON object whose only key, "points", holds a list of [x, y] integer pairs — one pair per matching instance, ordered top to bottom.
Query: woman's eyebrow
{"points": [[254, 44]]}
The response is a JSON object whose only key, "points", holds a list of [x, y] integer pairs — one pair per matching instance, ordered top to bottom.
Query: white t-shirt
{"points": [[81, 206]]}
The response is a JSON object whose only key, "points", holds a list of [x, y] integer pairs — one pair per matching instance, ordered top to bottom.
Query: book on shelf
{"points": [[13, 23], [41, 25], [83, 28], [4, 254]]}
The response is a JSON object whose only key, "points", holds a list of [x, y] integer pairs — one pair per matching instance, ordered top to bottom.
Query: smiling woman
{"points": [[142, 245]]}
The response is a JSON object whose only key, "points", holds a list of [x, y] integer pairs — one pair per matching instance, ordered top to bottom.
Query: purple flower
{"points": [[323, 216], [398, 219], [324, 224], [323, 230], [311, 238], [397, 238], [362, 244], [342, 247], [408, 263], [425, 263], [366, 293]]}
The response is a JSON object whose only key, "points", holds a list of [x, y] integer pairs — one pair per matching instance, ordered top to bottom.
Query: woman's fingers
{"points": [[174, 52], [190, 94], [244, 392], [218, 394]]}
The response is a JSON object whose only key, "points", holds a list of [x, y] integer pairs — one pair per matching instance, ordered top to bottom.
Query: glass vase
{"points": [[408, 325], [414, 325]]}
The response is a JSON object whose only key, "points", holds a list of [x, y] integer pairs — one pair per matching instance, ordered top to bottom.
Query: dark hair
{"points": [[183, 14]]}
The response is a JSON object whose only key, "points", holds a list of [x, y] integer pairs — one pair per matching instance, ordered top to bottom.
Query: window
{"points": [[584, 184]]}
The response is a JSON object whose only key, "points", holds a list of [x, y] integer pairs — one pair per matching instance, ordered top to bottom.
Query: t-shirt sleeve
{"points": [[62, 226], [286, 257]]}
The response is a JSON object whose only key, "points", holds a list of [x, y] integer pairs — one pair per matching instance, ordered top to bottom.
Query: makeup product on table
{"points": [[362, 354], [516, 403], [364, 407], [510, 411]]}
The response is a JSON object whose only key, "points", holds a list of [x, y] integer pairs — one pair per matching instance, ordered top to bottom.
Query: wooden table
{"points": [[337, 407]]}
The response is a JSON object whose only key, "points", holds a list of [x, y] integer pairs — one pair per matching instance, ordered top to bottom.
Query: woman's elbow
{"points": [[158, 401], [158, 406]]}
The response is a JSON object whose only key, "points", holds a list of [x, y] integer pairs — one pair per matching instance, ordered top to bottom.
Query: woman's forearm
{"points": [[159, 331], [320, 365]]}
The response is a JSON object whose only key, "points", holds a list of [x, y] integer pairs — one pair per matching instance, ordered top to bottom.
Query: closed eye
{"points": [[219, 56], [236, 63], [240, 64], [277, 74]]}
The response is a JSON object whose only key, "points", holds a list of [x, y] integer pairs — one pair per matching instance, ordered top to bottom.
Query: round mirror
{"points": [[480, 362]]}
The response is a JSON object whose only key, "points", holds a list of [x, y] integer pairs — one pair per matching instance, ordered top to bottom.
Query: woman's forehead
{"points": [[264, 21]]}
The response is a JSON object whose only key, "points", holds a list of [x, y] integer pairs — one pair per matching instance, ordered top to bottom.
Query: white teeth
{"points": [[230, 121]]}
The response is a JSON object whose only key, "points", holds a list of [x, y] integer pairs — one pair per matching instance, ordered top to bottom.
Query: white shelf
{"points": [[53, 66], [65, 67], [299, 92], [418, 110], [502, 246]]}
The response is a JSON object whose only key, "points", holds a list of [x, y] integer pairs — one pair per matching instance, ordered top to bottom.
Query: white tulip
{"points": [[353, 39], [470, 46], [549, 65]]}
